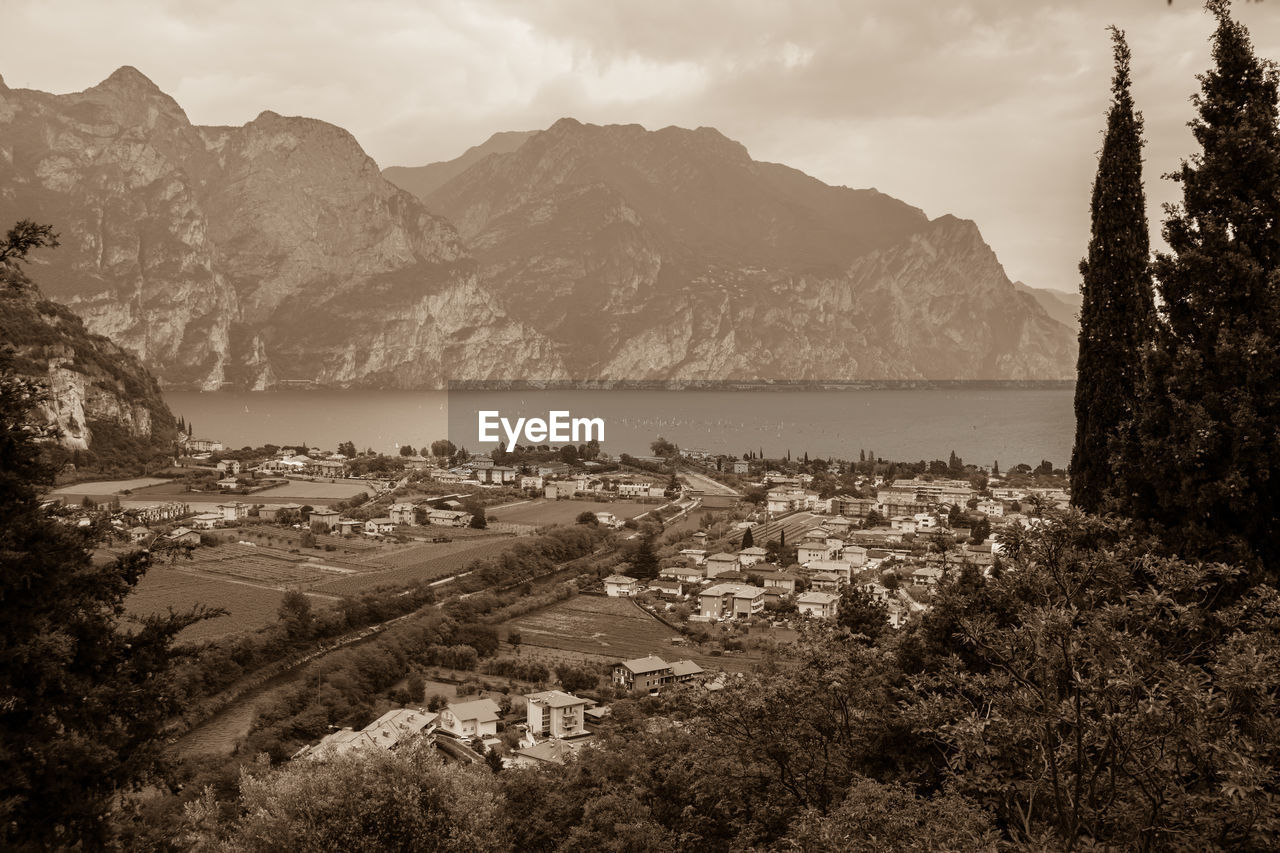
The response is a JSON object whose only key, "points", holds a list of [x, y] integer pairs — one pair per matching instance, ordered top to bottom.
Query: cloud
{"points": [[983, 108]]}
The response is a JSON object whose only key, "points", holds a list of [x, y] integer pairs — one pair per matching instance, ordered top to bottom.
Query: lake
{"points": [[980, 422]]}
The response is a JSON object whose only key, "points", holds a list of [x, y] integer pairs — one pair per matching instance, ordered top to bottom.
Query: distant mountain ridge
{"points": [[424, 180], [276, 252]]}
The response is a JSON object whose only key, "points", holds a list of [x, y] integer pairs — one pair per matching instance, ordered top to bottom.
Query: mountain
{"points": [[421, 181], [277, 251], [673, 253], [243, 255], [1058, 304], [100, 396]]}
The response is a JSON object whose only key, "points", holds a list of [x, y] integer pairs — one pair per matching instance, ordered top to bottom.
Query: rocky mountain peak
{"points": [[3, 87]]}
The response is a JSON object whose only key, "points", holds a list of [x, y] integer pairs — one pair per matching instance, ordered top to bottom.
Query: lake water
{"points": [[982, 424]]}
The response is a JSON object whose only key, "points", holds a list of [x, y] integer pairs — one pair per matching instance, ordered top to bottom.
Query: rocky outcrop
{"points": [[99, 396]]}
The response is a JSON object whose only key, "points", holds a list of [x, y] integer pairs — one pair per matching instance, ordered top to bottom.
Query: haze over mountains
{"points": [[278, 251]]}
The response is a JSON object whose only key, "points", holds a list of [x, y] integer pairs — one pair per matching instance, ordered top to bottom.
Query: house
{"points": [[203, 445], [229, 466], [741, 466], [497, 475], [529, 481], [229, 483], [638, 490], [555, 491], [992, 508], [234, 511], [273, 513], [402, 514], [448, 518], [325, 519], [206, 520], [903, 524], [839, 525], [348, 527], [378, 527], [139, 534], [183, 536], [700, 539], [810, 551], [854, 555], [695, 556], [751, 556], [718, 564], [839, 568], [684, 574], [926, 575], [826, 582], [781, 583], [621, 586], [667, 587], [730, 601], [818, 605], [651, 674], [642, 675], [554, 713], [477, 718], [393, 728], [545, 752]]}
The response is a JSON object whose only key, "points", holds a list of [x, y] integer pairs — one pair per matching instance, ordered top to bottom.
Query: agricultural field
{"points": [[542, 512], [428, 562], [256, 565], [250, 607], [592, 629]]}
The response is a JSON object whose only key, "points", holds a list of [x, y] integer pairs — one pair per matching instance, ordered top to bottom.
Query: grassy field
{"points": [[542, 511], [427, 562], [250, 607], [591, 629]]}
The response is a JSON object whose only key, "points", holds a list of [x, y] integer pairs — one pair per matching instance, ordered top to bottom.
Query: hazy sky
{"points": [[988, 109]]}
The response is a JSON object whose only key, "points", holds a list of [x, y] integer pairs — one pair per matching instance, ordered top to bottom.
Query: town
{"points": [[703, 567]]}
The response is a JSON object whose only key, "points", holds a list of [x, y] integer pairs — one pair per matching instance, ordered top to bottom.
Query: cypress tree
{"points": [[1116, 309], [1209, 425], [748, 541]]}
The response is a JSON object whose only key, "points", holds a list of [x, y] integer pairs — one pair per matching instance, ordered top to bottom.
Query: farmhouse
{"points": [[402, 514], [206, 520], [378, 526], [183, 536], [649, 675]]}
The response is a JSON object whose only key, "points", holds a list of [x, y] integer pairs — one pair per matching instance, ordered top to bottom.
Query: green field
{"points": [[424, 563]]}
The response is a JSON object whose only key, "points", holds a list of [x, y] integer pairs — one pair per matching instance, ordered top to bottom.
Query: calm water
{"points": [[981, 424]]}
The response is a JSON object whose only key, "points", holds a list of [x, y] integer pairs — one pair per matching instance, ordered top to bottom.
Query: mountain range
{"points": [[277, 251]]}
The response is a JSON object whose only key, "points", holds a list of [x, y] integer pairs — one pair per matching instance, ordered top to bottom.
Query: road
{"points": [[706, 484]]}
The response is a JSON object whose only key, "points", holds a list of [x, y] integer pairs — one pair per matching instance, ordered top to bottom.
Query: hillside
{"points": [[106, 405]]}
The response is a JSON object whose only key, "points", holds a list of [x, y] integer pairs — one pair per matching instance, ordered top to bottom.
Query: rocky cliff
{"points": [[274, 252], [673, 254], [248, 255], [101, 397]]}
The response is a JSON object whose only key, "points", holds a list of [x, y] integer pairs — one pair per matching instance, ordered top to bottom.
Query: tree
{"points": [[22, 238], [1116, 311], [1209, 446], [443, 447], [661, 447], [347, 449], [408, 450], [588, 517], [478, 520], [748, 540], [644, 557], [861, 612], [295, 613], [574, 679], [84, 697]]}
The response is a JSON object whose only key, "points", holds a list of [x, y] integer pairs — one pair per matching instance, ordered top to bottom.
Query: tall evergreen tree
{"points": [[1116, 311], [1209, 425], [748, 541]]}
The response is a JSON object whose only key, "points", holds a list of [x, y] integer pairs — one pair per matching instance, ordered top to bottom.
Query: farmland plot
{"points": [[419, 565]]}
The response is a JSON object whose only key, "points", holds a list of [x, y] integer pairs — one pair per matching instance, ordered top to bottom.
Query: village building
{"points": [[234, 512], [403, 514], [324, 519], [206, 520], [379, 527], [183, 536], [751, 556], [719, 564], [621, 586], [730, 601], [818, 605], [650, 674], [555, 714], [477, 718]]}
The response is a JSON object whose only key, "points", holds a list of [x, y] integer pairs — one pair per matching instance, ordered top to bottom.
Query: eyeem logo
{"points": [[559, 427]]}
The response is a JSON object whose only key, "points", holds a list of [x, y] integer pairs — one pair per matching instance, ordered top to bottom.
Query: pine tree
{"points": [[1116, 312], [1209, 434]]}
